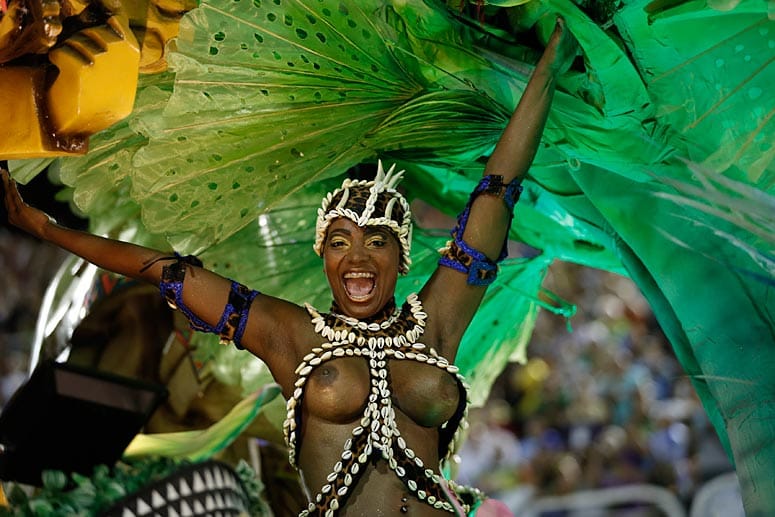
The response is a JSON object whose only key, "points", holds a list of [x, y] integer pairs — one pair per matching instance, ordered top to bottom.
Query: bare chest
{"points": [[338, 391]]}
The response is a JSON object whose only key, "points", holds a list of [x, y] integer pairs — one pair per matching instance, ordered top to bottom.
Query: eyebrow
{"points": [[339, 230], [369, 230]]}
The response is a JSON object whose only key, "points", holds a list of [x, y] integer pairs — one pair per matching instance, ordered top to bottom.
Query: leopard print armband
{"points": [[493, 185], [458, 255], [480, 269], [235, 315], [231, 325]]}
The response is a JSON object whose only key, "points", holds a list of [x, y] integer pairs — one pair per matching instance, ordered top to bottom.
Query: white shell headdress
{"points": [[369, 203]]}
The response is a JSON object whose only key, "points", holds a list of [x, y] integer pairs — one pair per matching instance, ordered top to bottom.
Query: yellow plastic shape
{"points": [[155, 23], [29, 27], [97, 80], [23, 136]]}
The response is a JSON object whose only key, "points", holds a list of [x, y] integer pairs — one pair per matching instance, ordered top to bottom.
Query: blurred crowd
{"points": [[602, 406]]}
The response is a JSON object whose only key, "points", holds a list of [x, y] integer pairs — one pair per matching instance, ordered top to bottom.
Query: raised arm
{"points": [[116, 256], [203, 293], [453, 293]]}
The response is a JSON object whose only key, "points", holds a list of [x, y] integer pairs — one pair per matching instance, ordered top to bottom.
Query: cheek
{"points": [[395, 257], [329, 258], [329, 266], [329, 269]]}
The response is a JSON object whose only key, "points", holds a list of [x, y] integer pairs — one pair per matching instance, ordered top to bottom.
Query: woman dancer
{"points": [[374, 399]]}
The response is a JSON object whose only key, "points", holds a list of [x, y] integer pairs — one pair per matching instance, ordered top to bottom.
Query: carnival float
{"points": [[214, 128]]}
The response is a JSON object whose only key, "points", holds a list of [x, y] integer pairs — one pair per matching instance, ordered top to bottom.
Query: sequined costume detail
{"points": [[394, 338]]}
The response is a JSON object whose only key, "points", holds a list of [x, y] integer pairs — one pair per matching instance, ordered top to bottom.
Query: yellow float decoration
{"points": [[69, 69]]}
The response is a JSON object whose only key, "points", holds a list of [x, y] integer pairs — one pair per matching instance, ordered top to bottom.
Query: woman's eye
{"points": [[337, 243], [377, 243]]}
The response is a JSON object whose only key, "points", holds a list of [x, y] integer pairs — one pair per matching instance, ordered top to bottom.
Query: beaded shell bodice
{"points": [[376, 435]]}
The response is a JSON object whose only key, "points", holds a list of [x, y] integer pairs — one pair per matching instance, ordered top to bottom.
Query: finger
{"points": [[5, 180], [9, 192], [4, 210]]}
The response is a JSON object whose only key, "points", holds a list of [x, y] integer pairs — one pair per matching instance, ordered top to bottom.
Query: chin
{"points": [[361, 309]]}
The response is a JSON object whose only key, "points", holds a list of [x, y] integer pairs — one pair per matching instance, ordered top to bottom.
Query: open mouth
{"points": [[359, 285]]}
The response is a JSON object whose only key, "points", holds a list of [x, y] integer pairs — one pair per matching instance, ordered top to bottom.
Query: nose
{"points": [[358, 253]]}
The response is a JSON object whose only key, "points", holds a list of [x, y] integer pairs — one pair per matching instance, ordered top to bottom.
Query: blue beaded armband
{"points": [[458, 255], [231, 325]]}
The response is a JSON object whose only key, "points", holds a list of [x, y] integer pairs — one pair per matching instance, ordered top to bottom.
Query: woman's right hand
{"points": [[20, 214]]}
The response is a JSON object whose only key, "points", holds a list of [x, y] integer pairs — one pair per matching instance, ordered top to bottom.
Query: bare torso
{"points": [[335, 397]]}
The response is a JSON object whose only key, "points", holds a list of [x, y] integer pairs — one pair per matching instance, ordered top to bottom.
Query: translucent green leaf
{"points": [[24, 170], [201, 445]]}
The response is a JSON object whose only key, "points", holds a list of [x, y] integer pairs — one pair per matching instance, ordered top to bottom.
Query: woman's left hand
{"points": [[562, 48]]}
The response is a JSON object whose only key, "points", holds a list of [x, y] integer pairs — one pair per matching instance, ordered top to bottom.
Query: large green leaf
{"points": [[708, 72]]}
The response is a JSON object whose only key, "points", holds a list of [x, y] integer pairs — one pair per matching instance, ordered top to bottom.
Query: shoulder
{"points": [[279, 330]]}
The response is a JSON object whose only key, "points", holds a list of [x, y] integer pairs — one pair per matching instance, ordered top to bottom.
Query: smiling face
{"points": [[361, 265]]}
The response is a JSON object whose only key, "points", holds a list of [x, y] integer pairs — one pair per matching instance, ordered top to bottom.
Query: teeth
{"points": [[359, 275]]}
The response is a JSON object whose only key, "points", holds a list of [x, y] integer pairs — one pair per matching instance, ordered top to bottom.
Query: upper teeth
{"points": [[359, 275]]}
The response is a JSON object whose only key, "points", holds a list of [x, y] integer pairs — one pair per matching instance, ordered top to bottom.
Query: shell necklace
{"points": [[393, 335]]}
